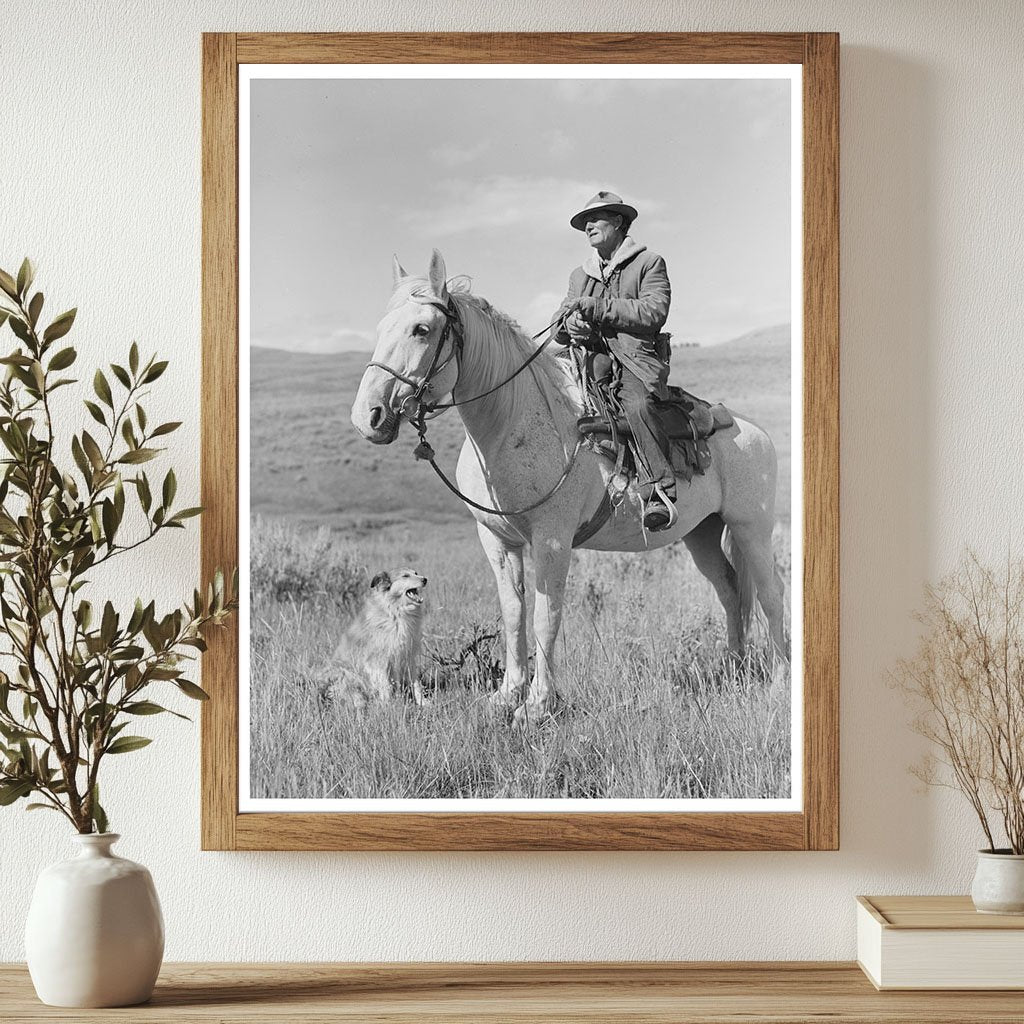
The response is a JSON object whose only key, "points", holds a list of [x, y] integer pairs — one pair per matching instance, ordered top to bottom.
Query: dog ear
{"points": [[381, 581]]}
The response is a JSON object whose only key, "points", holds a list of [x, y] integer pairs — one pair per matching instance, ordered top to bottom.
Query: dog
{"points": [[379, 652]]}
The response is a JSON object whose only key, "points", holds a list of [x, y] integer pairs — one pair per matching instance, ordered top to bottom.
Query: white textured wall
{"points": [[99, 181]]}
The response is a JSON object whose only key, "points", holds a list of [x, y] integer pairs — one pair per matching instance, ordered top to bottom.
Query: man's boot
{"points": [[660, 513]]}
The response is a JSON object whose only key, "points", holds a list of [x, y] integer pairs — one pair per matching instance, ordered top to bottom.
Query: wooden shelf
{"points": [[657, 993]]}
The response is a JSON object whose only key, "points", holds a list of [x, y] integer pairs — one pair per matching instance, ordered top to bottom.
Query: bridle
{"points": [[453, 332]]}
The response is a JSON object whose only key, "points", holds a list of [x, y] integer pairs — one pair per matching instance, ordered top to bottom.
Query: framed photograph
{"points": [[520, 420]]}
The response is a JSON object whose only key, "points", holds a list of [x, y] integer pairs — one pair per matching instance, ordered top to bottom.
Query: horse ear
{"points": [[397, 271], [437, 275], [381, 581]]}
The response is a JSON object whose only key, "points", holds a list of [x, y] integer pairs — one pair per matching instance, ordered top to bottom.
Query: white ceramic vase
{"points": [[999, 883], [95, 933]]}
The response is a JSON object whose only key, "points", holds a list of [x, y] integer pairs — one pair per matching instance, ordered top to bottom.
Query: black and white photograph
{"points": [[520, 387]]}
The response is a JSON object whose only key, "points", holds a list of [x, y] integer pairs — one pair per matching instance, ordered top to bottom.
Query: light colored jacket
{"points": [[627, 300]]}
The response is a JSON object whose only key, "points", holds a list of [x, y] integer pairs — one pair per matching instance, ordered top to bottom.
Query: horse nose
{"points": [[376, 416]]}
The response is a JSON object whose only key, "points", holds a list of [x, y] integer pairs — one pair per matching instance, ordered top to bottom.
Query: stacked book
{"points": [[938, 942]]}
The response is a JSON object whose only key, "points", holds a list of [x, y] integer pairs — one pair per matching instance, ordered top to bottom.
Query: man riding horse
{"points": [[617, 304]]}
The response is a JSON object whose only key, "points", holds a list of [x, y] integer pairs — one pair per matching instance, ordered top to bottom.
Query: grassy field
{"points": [[651, 706]]}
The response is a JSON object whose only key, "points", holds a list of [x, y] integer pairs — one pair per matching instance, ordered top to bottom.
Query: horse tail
{"points": [[745, 586]]}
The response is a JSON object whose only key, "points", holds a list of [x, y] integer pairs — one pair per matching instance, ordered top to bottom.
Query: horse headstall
{"points": [[453, 331]]}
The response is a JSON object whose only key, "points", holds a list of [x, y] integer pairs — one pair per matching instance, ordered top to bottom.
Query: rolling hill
{"points": [[309, 465]]}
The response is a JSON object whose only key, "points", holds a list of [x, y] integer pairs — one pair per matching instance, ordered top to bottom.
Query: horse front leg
{"points": [[552, 556], [507, 565]]}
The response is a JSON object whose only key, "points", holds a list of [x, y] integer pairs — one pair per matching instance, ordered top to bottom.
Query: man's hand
{"points": [[578, 328]]}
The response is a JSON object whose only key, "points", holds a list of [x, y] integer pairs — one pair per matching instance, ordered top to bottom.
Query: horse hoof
{"points": [[503, 699], [529, 716]]}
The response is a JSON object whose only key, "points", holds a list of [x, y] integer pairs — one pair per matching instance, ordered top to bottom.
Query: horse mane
{"points": [[500, 345]]}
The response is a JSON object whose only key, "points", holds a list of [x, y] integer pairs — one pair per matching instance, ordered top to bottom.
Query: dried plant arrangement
{"points": [[78, 672], [966, 681]]}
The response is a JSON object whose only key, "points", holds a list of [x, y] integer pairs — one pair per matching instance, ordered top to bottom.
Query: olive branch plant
{"points": [[80, 674], [966, 681]]}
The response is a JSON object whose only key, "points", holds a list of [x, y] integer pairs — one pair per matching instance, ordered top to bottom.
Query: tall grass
{"points": [[651, 705]]}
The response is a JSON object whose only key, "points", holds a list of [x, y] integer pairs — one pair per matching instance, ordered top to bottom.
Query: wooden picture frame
{"points": [[816, 826]]}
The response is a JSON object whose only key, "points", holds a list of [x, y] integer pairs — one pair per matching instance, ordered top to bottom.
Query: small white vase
{"points": [[999, 883], [95, 933]]}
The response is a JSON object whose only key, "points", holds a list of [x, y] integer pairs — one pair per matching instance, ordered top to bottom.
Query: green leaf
{"points": [[26, 274], [8, 284], [34, 308], [60, 326], [20, 328], [133, 358], [63, 359], [154, 371], [121, 374], [102, 388], [95, 412], [140, 415], [166, 428], [128, 433], [92, 449], [139, 455], [80, 459], [170, 488], [145, 498], [119, 499], [185, 513], [109, 521], [137, 616], [108, 627], [130, 653], [163, 673], [191, 690], [143, 707], [147, 707], [12, 733], [126, 744], [14, 790], [42, 807], [99, 816]]}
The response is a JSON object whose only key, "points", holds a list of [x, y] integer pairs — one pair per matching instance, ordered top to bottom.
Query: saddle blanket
{"points": [[687, 422]]}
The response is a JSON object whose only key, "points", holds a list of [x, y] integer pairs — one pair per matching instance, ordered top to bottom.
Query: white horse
{"points": [[521, 439]]}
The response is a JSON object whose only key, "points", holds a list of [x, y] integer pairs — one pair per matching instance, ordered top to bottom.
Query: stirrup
{"points": [[670, 509]]}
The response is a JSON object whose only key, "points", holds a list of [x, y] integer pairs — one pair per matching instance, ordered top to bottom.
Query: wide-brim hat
{"points": [[604, 201]]}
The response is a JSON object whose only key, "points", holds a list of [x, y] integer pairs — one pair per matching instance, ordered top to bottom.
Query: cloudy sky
{"points": [[345, 172]]}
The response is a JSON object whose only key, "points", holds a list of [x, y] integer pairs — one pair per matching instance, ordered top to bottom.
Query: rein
{"points": [[428, 410]]}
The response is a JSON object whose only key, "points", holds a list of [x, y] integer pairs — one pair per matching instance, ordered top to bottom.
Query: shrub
{"points": [[289, 563]]}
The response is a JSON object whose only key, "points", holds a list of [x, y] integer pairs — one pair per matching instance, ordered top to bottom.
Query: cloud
{"points": [[597, 91], [558, 143], [454, 155], [500, 201], [540, 309]]}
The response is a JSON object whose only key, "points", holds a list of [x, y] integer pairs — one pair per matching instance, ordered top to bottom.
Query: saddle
{"points": [[686, 420]]}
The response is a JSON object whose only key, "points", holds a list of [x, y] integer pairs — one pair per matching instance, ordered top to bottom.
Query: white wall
{"points": [[100, 183]]}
